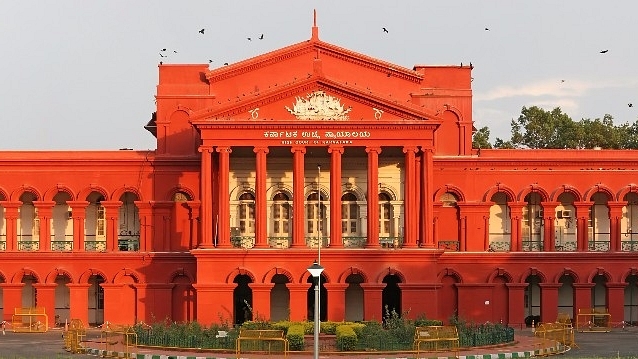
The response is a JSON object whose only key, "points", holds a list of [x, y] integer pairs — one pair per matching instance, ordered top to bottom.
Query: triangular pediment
{"points": [[315, 49], [315, 99]]}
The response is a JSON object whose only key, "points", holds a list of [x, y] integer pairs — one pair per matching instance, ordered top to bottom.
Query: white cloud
{"points": [[545, 88], [549, 88]]}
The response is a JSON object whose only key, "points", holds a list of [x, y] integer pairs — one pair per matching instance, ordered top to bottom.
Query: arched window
{"points": [[246, 214], [280, 215], [349, 215], [385, 215], [313, 216], [532, 225]]}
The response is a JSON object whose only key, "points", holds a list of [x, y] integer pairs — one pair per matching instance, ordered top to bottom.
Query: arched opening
{"points": [[280, 214], [349, 215], [315, 220], [28, 224], [61, 224], [95, 224], [129, 224], [500, 224], [532, 224], [629, 224], [387, 227], [565, 227], [3, 230], [598, 233], [29, 292], [599, 293], [566, 295], [391, 297], [2, 298], [183, 298], [279, 298], [323, 298], [354, 298], [242, 299], [532, 299], [62, 300], [96, 300], [631, 300]]}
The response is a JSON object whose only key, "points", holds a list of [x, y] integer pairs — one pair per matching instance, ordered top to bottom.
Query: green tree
{"points": [[538, 128], [481, 138]]}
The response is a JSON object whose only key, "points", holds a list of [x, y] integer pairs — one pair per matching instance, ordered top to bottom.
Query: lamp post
{"points": [[320, 240], [315, 270]]}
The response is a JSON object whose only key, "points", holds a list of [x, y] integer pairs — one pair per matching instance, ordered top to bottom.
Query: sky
{"points": [[82, 75]]}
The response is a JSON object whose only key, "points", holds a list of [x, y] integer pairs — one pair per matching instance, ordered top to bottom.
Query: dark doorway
{"points": [[391, 297], [243, 299]]}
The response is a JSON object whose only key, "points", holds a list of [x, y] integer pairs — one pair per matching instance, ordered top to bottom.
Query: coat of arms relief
{"points": [[319, 106]]}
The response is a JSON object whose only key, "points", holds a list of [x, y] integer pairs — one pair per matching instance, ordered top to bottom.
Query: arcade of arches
{"points": [[312, 152]]}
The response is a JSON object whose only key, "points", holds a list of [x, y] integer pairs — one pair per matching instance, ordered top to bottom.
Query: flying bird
{"points": [[487, 29], [385, 30], [202, 31], [261, 37], [249, 39], [163, 50], [604, 51], [162, 55], [210, 61], [225, 63], [471, 66], [562, 80], [630, 104]]}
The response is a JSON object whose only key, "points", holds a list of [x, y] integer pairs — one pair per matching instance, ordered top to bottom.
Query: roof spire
{"points": [[315, 29]]}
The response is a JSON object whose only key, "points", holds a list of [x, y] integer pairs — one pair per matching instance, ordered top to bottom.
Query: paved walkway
{"points": [[525, 345]]}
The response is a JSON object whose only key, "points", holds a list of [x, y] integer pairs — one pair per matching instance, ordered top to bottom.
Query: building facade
{"points": [[315, 152]]}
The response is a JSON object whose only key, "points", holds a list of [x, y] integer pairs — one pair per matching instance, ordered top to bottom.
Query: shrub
{"points": [[329, 327], [295, 336], [346, 338]]}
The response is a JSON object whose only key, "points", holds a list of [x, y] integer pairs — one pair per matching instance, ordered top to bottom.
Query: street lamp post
{"points": [[320, 239], [315, 270]]}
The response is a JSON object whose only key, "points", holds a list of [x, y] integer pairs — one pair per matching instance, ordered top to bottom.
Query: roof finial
{"points": [[315, 29]]}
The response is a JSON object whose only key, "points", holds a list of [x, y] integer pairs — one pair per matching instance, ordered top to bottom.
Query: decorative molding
{"points": [[319, 106]]}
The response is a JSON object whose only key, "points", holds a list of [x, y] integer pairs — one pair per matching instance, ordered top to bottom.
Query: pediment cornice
{"points": [[322, 48], [344, 91]]}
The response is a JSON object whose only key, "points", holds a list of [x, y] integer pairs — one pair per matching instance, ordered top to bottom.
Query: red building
{"points": [[262, 164]]}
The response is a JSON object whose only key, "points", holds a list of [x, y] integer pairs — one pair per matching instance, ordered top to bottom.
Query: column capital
{"points": [[203, 149], [223, 149], [258, 149], [301, 149], [336, 149], [376, 149], [412, 149], [11, 204], [43, 204], [77, 204], [111, 204], [194, 204], [550, 285], [261, 287]]}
